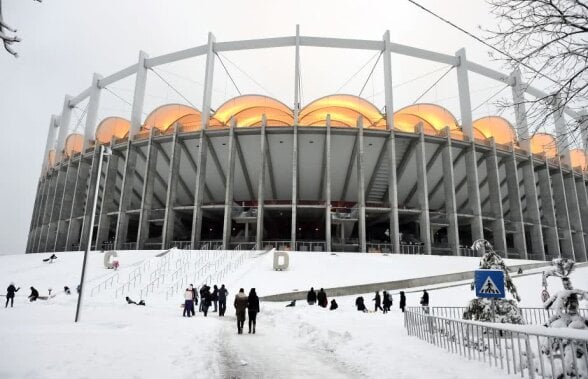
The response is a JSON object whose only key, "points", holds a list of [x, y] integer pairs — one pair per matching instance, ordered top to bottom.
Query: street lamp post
{"points": [[103, 151]]}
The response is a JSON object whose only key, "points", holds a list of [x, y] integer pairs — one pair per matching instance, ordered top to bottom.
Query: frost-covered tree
{"points": [[565, 304], [505, 311]]}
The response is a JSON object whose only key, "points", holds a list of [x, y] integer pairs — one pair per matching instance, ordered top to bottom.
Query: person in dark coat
{"points": [[10, 291], [34, 294], [311, 296], [194, 297], [214, 298], [322, 298], [205, 300], [222, 300], [378, 301], [387, 301], [402, 301], [425, 301], [360, 304], [240, 305], [334, 305], [253, 308]]}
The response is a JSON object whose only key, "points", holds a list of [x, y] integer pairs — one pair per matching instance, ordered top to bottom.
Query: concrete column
{"points": [[297, 78], [138, 96], [518, 97], [465, 107], [389, 111], [92, 112], [64, 120], [561, 130], [50, 144], [203, 151], [94, 181], [261, 185], [361, 186], [172, 187], [294, 187], [229, 189], [449, 190], [423, 191], [147, 192], [108, 193], [495, 193], [126, 195], [514, 201], [583, 205], [56, 206], [66, 206], [48, 209], [41, 213], [562, 214], [533, 215], [34, 216], [575, 217], [60, 229], [328, 229], [550, 232]]}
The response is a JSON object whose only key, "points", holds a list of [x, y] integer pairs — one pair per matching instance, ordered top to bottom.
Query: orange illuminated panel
{"points": [[248, 110], [344, 111], [165, 116], [437, 116], [190, 122], [405, 122], [112, 127], [498, 128], [543, 143], [73, 144], [51, 158], [578, 159]]}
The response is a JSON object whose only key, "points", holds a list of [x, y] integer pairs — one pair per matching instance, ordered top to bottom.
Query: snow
{"points": [[40, 340]]}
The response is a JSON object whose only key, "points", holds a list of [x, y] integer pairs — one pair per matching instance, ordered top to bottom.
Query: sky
{"points": [[65, 42]]}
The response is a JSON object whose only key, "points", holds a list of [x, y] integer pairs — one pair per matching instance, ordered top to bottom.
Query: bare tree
{"points": [[8, 39], [547, 40]]}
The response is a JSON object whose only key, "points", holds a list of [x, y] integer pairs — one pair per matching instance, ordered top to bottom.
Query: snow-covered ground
{"points": [[40, 340]]}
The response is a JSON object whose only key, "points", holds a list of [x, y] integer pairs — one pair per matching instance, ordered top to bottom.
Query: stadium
{"points": [[336, 173]]}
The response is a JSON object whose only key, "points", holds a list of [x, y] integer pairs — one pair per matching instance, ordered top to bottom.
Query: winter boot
{"points": [[253, 329]]}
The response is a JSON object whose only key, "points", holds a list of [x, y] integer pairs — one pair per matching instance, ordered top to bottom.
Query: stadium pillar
{"points": [[297, 76], [138, 96], [465, 107], [92, 112], [53, 124], [63, 128], [295, 141], [203, 151], [529, 181], [392, 184], [261, 185], [361, 186], [229, 187], [449, 189], [423, 191], [108, 192], [147, 192], [126, 194], [495, 194], [514, 201], [583, 205], [56, 206], [65, 206], [49, 208], [562, 214], [34, 216], [88, 216], [575, 217], [169, 218], [40, 222], [328, 232], [551, 232]]}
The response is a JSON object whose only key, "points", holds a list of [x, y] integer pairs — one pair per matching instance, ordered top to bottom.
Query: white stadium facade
{"points": [[335, 174]]}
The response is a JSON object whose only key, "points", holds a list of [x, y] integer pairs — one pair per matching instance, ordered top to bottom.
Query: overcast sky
{"points": [[65, 42]]}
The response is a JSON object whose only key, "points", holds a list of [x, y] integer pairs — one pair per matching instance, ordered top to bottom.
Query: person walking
{"points": [[202, 290], [10, 291], [34, 294], [311, 296], [194, 298], [214, 298], [322, 298], [205, 300], [222, 300], [378, 301], [402, 301], [425, 301], [188, 302], [387, 302], [240, 305], [253, 308]]}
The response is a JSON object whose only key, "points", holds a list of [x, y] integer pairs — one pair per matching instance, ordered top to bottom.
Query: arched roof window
{"points": [[248, 110], [344, 111], [166, 115], [436, 116], [112, 127], [497, 127], [544, 143], [73, 144], [578, 158]]}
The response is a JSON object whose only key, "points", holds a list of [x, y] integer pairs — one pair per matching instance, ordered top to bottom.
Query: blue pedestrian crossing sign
{"points": [[489, 283]]}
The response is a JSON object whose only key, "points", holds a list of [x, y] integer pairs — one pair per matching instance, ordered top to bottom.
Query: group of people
{"points": [[12, 290], [208, 297], [320, 298], [251, 304]]}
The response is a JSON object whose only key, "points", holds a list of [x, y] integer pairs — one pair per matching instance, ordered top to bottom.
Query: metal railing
{"points": [[311, 246], [411, 249], [513, 348]]}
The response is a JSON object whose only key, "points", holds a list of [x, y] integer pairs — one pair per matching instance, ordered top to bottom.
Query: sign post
{"points": [[490, 284]]}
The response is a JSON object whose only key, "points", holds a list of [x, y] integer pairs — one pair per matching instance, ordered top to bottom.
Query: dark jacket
{"points": [[11, 290], [34, 293], [222, 294], [214, 296], [311, 297], [206, 298], [322, 299], [378, 299], [425, 299], [402, 300], [240, 302], [253, 303], [360, 304], [334, 305]]}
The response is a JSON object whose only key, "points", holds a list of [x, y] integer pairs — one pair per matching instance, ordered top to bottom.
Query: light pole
{"points": [[103, 151]]}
